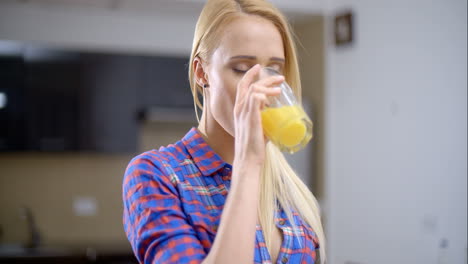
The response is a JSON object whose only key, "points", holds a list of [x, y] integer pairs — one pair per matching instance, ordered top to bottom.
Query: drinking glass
{"points": [[284, 121]]}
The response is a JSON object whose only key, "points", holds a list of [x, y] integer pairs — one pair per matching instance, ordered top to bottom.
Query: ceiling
{"points": [[292, 8], [142, 26]]}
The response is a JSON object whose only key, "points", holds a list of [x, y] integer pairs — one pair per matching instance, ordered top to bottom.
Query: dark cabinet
{"points": [[77, 101], [13, 104], [41, 105]]}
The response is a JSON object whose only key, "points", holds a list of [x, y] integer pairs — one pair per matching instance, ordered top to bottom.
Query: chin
{"points": [[229, 128]]}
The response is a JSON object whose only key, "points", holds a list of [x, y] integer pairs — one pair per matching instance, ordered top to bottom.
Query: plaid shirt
{"points": [[173, 199]]}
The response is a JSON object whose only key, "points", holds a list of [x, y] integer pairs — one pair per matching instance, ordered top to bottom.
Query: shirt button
{"points": [[281, 222], [284, 260]]}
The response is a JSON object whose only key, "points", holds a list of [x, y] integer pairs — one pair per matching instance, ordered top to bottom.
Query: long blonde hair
{"points": [[280, 185]]}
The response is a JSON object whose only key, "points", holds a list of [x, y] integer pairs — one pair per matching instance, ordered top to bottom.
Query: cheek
{"points": [[230, 89], [223, 94], [222, 100]]}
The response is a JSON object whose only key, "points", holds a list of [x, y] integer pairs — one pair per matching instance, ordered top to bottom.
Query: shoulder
{"points": [[159, 163]]}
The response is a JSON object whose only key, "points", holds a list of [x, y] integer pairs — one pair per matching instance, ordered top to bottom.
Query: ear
{"points": [[201, 76]]}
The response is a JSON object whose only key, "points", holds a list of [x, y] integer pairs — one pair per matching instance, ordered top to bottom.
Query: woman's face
{"points": [[246, 41]]}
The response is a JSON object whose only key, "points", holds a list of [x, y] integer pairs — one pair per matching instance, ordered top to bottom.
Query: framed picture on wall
{"points": [[344, 29]]}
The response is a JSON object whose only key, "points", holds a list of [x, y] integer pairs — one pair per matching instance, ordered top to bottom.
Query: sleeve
{"points": [[154, 221]]}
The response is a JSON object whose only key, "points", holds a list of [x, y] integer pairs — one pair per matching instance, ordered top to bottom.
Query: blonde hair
{"points": [[280, 185]]}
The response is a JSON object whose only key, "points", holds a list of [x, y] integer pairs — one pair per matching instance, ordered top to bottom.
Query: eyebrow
{"points": [[254, 58]]}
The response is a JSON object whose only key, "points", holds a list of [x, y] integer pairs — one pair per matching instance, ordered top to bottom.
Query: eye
{"points": [[277, 67], [241, 68], [239, 71]]}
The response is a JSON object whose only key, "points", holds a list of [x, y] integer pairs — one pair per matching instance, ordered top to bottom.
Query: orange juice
{"points": [[287, 126]]}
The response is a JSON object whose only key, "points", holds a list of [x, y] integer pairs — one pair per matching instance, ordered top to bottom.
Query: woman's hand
{"points": [[251, 98]]}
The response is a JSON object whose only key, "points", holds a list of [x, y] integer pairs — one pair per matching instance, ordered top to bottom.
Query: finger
{"points": [[248, 78], [271, 81], [244, 84], [257, 89], [273, 91], [261, 93], [257, 102]]}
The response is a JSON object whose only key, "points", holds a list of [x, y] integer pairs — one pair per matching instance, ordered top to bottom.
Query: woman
{"points": [[224, 194]]}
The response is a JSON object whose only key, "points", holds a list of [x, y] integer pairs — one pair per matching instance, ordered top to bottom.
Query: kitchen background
{"points": [[86, 85]]}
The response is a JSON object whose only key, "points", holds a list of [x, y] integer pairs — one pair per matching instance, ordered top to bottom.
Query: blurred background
{"points": [[85, 85]]}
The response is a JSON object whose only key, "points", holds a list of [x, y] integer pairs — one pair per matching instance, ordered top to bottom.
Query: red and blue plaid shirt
{"points": [[173, 199]]}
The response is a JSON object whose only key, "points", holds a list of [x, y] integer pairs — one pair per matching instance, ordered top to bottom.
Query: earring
{"points": [[206, 85]]}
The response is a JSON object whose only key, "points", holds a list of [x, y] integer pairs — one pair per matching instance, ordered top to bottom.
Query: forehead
{"points": [[250, 35]]}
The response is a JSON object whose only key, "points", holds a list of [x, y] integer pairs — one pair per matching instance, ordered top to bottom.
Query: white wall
{"points": [[141, 26], [98, 28], [397, 133]]}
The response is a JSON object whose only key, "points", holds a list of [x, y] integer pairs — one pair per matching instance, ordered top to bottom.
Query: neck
{"points": [[217, 138]]}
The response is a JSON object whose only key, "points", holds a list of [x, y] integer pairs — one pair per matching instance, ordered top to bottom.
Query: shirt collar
{"points": [[205, 158]]}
